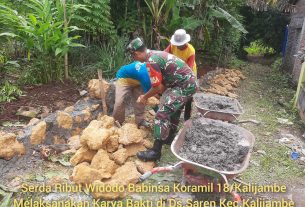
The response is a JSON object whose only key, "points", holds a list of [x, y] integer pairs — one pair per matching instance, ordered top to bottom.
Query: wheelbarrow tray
{"points": [[224, 115], [177, 144]]}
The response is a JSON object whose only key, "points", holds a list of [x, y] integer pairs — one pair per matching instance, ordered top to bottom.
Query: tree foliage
{"points": [[96, 21], [267, 26], [42, 33]]}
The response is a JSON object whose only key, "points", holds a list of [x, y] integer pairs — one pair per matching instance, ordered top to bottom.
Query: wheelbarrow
{"points": [[218, 111], [200, 174]]}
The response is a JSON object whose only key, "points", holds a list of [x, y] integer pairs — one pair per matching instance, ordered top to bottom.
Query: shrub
{"points": [[258, 48], [9, 92]]}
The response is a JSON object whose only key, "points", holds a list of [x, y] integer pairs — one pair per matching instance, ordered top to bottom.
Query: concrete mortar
{"points": [[217, 103], [215, 144]]}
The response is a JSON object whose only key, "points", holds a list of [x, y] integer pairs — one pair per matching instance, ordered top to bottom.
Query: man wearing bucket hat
{"points": [[181, 48], [171, 72], [132, 79]]}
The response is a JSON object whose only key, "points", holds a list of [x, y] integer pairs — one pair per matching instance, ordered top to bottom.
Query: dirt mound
{"points": [[55, 96], [220, 145]]}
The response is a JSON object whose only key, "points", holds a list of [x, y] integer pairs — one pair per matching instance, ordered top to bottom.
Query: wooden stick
{"points": [[102, 91]]}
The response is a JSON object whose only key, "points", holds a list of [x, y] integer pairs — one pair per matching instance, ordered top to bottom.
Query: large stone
{"points": [[95, 89], [152, 101], [69, 109], [26, 111], [64, 120], [108, 121], [32, 122], [76, 131], [38, 133], [129, 134], [95, 137], [57, 140], [74, 142], [113, 143], [148, 144], [9, 146], [132, 149], [84, 154], [120, 156], [101, 161], [144, 167], [84, 174], [126, 174], [107, 195]]}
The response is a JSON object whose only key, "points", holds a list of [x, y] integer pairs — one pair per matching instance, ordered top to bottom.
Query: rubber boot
{"points": [[171, 136], [152, 154]]}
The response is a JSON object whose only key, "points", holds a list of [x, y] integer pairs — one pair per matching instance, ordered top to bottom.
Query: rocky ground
{"points": [[265, 97]]}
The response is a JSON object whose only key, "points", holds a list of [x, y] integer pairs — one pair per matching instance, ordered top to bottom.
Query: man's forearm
{"points": [[153, 91]]}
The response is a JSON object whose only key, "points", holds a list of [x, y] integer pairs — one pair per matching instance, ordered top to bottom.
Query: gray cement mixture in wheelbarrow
{"points": [[217, 103], [215, 144]]}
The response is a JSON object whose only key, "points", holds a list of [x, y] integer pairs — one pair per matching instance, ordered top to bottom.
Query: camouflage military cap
{"points": [[135, 45]]}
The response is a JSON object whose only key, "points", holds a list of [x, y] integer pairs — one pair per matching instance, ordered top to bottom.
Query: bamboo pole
{"points": [[65, 28], [102, 91]]}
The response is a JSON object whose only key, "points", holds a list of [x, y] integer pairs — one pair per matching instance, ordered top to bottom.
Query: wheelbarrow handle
{"points": [[159, 169], [145, 176]]}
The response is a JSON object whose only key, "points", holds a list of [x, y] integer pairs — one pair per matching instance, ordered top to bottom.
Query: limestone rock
{"points": [[94, 88], [152, 101], [69, 109], [26, 111], [86, 114], [78, 119], [64, 120], [108, 121], [32, 122], [76, 131], [38, 133], [129, 134], [95, 137], [58, 140], [74, 142], [113, 143], [148, 144], [9, 146], [132, 149], [84, 154], [120, 156], [101, 161], [144, 167], [84, 174], [126, 174], [106, 195]]}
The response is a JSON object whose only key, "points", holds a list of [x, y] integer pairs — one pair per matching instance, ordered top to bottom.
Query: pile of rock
{"points": [[225, 83], [106, 156]]}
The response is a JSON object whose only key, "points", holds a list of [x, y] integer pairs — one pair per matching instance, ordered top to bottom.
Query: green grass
{"points": [[260, 94]]}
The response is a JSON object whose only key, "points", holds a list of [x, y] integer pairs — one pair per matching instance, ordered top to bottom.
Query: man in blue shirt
{"points": [[132, 79]]}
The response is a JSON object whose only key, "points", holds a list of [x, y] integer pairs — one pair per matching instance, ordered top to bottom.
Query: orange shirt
{"points": [[187, 55]]}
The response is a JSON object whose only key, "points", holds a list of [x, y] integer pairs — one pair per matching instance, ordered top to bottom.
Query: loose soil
{"points": [[55, 96], [216, 103], [221, 145]]}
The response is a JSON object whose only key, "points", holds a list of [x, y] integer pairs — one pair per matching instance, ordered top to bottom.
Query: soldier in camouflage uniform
{"points": [[166, 72]]}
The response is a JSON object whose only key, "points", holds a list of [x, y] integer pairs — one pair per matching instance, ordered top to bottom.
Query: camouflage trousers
{"points": [[168, 115]]}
